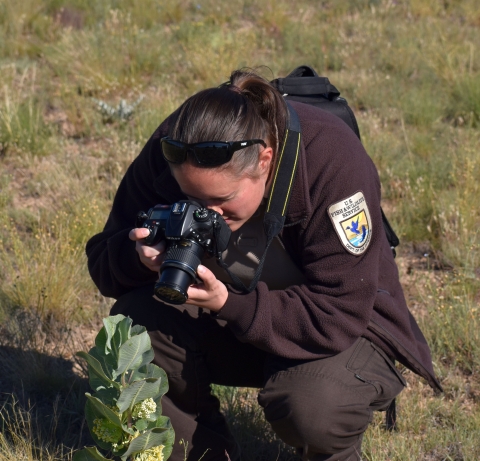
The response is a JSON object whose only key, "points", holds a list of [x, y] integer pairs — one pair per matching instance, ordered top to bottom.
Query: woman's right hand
{"points": [[150, 256]]}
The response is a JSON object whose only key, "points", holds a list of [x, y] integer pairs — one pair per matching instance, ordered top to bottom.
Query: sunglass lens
{"points": [[173, 152], [213, 154]]}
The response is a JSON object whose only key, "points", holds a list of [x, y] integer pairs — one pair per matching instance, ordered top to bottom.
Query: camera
{"points": [[189, 230]]}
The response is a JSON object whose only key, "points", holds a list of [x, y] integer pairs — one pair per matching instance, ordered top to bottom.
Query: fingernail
{"points": [[200, 269]]}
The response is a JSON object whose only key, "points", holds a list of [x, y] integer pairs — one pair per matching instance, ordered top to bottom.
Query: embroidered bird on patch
{"points": [[355, 230]]}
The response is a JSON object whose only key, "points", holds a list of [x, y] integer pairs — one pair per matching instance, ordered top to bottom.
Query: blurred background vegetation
{"points": [[83, 85]]}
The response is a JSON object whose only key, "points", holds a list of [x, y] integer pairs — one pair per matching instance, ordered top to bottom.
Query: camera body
{"points": [[189, 230]]}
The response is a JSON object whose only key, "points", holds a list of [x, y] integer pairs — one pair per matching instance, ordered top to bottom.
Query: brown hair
{"points": [[246, 107]]}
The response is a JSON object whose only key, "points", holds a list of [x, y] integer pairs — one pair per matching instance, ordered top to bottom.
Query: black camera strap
{"points": [[274, 217]]}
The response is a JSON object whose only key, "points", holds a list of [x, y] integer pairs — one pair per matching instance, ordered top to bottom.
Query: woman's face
{"points": [[236, 199]]}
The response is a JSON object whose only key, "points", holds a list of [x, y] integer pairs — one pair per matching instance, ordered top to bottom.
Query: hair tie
{"points": [[231, 86], [235, 88]]}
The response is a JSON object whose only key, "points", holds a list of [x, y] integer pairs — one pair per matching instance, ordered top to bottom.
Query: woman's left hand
{"points": [[211, 294]]}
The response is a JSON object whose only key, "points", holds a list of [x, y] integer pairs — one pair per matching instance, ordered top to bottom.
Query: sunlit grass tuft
{"points": [[45, 273], [18, 440]]}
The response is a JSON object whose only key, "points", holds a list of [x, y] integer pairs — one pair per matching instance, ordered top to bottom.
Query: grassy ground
{"points": [[410, 70]]}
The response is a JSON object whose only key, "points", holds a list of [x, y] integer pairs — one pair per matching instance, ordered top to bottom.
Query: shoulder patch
{"points": [[352, 222]]}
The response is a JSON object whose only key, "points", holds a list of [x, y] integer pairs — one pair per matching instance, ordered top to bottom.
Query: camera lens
{"points": [[178, 271], [173, 285]]}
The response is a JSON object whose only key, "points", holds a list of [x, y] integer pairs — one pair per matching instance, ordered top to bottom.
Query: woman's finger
{"points": [[138, 233], [150, 256], [207, 276], [210, 294]]}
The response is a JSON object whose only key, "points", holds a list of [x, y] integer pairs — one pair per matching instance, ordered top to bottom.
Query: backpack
{"points": [[303, 84]]}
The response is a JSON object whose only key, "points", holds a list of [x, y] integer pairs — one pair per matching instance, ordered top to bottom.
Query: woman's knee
{"points": [[314, 413]]}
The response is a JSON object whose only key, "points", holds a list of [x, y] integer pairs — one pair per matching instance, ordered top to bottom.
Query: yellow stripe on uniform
{"points": [[276, 172], [293, 174]]}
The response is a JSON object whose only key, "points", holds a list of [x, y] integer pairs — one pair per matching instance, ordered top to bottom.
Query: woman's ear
{"points": [[265, 160]]}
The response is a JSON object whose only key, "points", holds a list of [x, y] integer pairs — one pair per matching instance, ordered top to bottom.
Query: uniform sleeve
{"points": [[113, 262], [332, 309]]}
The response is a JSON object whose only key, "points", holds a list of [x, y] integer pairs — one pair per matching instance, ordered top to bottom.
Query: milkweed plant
{"points": [[124, 413]]}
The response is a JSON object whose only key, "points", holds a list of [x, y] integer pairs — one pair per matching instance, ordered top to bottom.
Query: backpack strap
{"points": [[286, 169], [392, 238], [391, 417]]}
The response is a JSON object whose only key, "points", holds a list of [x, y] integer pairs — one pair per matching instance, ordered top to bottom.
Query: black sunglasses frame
{"points": [[227, 149]]}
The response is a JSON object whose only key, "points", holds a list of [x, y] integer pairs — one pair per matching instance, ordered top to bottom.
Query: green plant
{"points": [[123, 111], [124, 414]]}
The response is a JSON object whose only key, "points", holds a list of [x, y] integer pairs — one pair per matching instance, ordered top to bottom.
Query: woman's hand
{"points": [[150, 256], [211, 294]]}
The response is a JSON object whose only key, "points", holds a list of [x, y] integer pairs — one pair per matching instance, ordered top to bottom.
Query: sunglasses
{"points": [[210, 153]]}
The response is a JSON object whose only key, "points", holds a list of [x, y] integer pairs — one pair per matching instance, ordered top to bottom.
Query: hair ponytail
{"points": [[269, 102]]}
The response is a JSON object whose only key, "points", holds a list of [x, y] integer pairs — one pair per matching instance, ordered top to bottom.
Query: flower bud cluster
{"points": [[143, 410], [107, 431], [152, 454]]}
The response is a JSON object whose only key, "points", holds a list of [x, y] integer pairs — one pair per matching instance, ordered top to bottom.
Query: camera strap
{"points": [[274, 217]]}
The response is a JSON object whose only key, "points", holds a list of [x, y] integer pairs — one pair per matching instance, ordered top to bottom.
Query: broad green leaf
{"points": [[113, 319], [111, 326], [124, 327], [137, 330], [121, 336], [101, 340], [115, 345], [131, 354], [148, 356], [107, 362], [150, 371], [154, 371], [136, 375], [97, 377], [164, 381], [137, 392], [108, 396], [103, 411], [161, 421], [164, 423], [142, 424], [149, 439], [169, 441], [89, 454]]}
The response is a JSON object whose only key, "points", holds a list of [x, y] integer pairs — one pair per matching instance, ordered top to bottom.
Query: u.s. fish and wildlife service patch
{"points": [[352, 222]]}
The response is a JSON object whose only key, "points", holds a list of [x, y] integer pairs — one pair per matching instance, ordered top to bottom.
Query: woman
{"points": [[321, 330]]}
